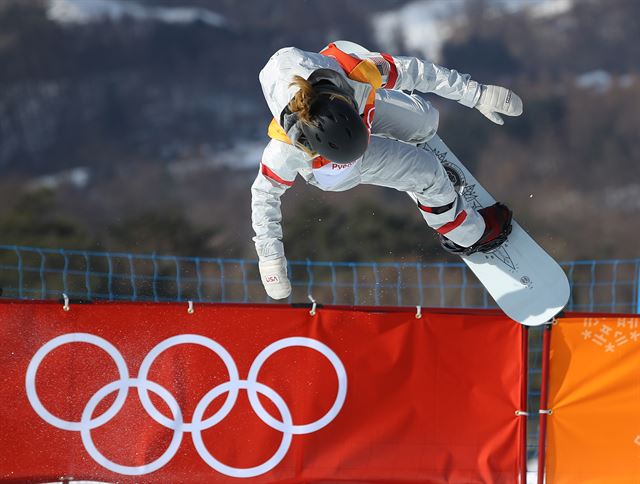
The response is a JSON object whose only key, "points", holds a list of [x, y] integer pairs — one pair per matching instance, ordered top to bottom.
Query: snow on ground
{"points": [[86, 11], [425, 25], [422, 26], [598, 80], [602, 81], [241, 156], [78, 177], [624, 198], [532, 471]]}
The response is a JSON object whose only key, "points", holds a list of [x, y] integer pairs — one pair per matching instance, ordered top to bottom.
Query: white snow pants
{"points": [[393, 160]]}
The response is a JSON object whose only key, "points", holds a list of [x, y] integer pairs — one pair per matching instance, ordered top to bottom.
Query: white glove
{"points": [[496, 99], [274, 277]]}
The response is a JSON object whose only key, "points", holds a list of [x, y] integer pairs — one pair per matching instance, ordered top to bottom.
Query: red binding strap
{"points": [[424, 208], [436, 210], [448, 227]]}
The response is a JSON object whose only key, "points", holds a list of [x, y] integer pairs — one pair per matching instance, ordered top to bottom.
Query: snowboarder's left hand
{"points": [[496, 100], [274, 277]]}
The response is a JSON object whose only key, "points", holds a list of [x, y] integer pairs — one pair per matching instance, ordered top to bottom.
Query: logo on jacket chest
{"points": [[341, 166]]}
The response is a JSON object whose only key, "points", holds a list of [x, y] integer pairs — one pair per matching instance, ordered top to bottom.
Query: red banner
{"points": [[151, 393]]}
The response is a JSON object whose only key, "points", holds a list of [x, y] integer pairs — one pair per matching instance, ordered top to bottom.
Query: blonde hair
{"points": [[304, 98]]}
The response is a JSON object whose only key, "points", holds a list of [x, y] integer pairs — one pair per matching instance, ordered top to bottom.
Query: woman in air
{"points": [[341, 119]]}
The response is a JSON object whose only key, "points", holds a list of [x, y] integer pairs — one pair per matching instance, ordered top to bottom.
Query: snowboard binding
{"points": [[497, 219]]}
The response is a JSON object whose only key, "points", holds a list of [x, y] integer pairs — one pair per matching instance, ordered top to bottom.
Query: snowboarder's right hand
{"points": [[496, 100], [274, 277]]}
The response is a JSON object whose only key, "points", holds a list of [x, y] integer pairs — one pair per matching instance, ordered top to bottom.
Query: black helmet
{"points": [[337, 131]]}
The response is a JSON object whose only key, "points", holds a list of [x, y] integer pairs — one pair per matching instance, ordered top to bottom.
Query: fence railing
{"points": [[39, 273]]}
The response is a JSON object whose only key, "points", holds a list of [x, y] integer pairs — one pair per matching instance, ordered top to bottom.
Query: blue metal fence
{"points": [[39, 273]]}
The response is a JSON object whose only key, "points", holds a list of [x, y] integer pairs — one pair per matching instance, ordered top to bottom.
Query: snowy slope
{"points": [[86, 11], [425, 25]]}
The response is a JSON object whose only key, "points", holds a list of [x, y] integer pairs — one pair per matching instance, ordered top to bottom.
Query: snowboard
{"points": [[526, 283]]}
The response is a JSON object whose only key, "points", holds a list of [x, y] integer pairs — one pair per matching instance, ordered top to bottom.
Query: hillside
{"points": [[139, 125]]}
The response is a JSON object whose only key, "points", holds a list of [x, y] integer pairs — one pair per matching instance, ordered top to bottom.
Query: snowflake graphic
{"points": [[609, 337]]}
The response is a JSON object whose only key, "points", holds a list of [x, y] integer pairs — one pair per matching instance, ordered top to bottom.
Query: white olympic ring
{"points": [[184, 339], [287, 343], [32, 371], [177, 424], [85, 431], [234, 471]]}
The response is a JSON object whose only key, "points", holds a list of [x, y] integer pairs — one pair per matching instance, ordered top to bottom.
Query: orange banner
{"points": [[153, 393], [593, 433]]}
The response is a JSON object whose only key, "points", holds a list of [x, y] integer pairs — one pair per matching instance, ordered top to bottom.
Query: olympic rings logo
{"points": [[232, 387]]}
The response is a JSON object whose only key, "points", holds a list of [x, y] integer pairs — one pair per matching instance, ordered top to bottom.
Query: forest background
{"points": [[139, 128]]}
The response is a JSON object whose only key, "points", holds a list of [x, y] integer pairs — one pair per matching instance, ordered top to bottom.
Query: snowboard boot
{"points": [[497, 219]]}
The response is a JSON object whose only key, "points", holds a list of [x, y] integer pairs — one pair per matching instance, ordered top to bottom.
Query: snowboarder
{"points": [[341, 119]]}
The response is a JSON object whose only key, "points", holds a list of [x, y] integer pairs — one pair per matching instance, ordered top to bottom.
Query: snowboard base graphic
{"points": [[526, 283]]}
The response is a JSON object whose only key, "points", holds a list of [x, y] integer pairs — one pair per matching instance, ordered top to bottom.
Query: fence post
{"points": [[572, 267], [20, 272], [65, 272], [354, 273], [419, 273], [87, 275], [110, 276], [155, 277], [132, 278], [178, 278], [199, 279], [43, 280], [310, 280], [334, 283], [245, 284], [399, 285], [592, 286], [223, 289], [638, 289], [376, 292]]}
